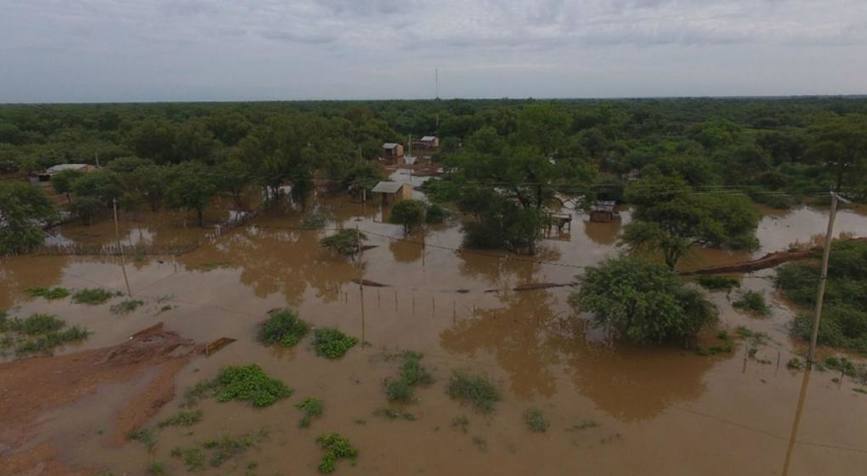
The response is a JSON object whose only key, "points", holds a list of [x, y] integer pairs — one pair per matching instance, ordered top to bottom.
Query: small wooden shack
{"points": [[428, 142], [392, 152], [393, 191], [604, 211]]}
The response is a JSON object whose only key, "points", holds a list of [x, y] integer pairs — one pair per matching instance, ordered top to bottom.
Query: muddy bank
{"points": [[34, 387]]}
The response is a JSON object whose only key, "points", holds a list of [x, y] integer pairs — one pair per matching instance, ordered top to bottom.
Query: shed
{"points": [[429, 142], [392, 151], [393, 190], [604, 211]]}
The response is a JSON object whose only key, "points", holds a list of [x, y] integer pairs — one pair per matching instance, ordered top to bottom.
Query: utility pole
{"points": [[120, 248], [823, 277]]}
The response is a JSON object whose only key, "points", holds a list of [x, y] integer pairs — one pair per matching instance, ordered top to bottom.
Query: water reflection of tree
{"points": [[602, 233], [408, 250], [282, 261], [501, 270], [515, 335], [530, 342], [632, 383]]}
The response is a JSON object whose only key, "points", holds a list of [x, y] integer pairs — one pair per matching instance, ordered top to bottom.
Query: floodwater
{"points": [[619, 410]]}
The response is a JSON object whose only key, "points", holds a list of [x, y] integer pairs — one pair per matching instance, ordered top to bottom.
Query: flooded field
{"points": [[612, 410]]}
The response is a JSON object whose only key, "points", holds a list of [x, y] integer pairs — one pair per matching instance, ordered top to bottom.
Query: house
{"points": [[428, 142], [392, 151], [56, 169], [393, 191], [604, 211]]}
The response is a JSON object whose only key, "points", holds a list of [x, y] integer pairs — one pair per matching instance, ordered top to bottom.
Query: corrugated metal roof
{"points": [[428, 138], [389, 145], [60, 168], [387, 187]]}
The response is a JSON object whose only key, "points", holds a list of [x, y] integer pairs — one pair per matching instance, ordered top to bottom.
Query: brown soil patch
{"points": [[33, 387]]}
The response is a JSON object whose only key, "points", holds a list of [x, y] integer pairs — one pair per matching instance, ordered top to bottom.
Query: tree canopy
{"points": [[24, 210]]}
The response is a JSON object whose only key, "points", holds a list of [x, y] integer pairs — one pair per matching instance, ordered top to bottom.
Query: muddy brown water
{"points": [[653, 410]]}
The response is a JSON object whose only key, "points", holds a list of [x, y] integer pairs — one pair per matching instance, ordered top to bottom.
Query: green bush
{"points": [[409, 213], [436, 214], [49, 294], [93, 296], [752, 302], [126, 307], [283, 327], [38, 333], [331, 343], [245, 383], [474, 389], [312, 407], [182, 418], [336, 447]]}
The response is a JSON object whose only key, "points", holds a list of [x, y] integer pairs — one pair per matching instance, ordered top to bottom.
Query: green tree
{"points": [[841, 145], [232, 176], [62, 182], [191, 188], [23, 212], [409, 213], [669, 216], [641, 302]]}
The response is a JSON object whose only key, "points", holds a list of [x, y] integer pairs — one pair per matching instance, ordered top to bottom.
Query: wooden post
{"points": [[120, 248]]}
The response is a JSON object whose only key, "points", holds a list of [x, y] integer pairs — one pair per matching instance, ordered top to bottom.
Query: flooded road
{"points": [[613, 410]]}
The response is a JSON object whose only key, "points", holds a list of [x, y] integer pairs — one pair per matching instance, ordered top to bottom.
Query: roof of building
{"points": [[428, 138], [389, 145], [63, 167], [387, 187]]}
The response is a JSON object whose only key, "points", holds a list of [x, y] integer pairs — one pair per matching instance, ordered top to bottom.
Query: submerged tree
{"points": [[191, 188], [24, 210], [409, 213], [670, 217], [346, 242], [641, 302]]}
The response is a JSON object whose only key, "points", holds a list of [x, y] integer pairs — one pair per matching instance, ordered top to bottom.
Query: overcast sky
{"points": [[119, 50]]}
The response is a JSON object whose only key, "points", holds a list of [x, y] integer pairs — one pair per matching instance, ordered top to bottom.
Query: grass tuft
{"points": [[49, 294], [92, 296], [752, 302], [126, 307], [283, 327], [38, 333], [331, 343], [412, 374], [248, 383], [474, 389], [312, 407], [182, 418], [536, 421], [144, 436], [336, 448]]}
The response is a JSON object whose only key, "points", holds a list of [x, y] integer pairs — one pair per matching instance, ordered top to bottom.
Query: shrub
{"points": [[436, 214], [315, 220], [345, 242], [718, 283], [49, 294], [92, 296], [752, 302], [126, 307], [283, 327], [38, 333], [331, 343], [412, 373], [248, 383], [474, 389], [312, 407], [182, 418], [536, 421], [144, 436], [336, 447], [225, 448], [193, 458]]}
